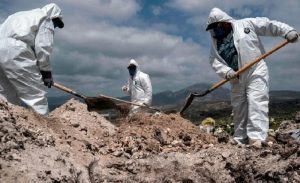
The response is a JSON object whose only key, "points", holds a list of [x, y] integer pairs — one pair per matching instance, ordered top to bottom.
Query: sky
{"points": [[167, 39]]}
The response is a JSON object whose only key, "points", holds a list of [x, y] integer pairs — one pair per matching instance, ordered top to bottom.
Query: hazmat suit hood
{"points": [[53, 11], [217, 15], [133, 62]]}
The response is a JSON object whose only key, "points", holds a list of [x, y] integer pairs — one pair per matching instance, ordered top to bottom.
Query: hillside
{"points": [[281, 95], [177, 98]]}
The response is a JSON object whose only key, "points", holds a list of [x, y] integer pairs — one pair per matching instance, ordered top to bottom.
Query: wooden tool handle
{"points": [[247, 66], [68, 90], [191, 97], [127, 102]]}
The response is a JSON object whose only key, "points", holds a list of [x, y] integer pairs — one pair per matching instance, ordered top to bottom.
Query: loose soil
{"points": [[75, 145]]}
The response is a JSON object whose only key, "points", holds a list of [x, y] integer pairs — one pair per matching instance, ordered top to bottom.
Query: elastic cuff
{"points": [[285, 37], [227, 72]]}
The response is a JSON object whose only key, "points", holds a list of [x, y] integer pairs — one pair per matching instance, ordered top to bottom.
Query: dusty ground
{"points": [[74, 145]]}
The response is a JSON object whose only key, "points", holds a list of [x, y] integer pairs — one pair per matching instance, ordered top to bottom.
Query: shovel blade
{"points": [[191, 97], [188, 102], [99, 103], [124, 109]]}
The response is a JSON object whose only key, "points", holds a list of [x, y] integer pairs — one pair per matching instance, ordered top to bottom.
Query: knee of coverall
{"points": [[258, 91]]}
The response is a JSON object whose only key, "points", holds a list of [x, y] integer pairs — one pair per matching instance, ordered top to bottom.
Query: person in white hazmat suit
{"points": [[26, 41], [234, 44], [138, 87]]}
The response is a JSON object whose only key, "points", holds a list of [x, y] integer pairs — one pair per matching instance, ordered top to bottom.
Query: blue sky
{"points": [[167, 38]]}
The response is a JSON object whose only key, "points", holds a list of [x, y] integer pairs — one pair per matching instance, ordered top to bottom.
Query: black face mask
{"points": [[57, 22], [219, 32], [132, 71]]}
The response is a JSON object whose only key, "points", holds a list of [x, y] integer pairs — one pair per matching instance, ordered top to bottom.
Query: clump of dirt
{"points": [[74, 145]]}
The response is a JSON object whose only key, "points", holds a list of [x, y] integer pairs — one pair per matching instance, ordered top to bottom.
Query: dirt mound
{"points": [[80, 128], [145, 133], [74, 145], [58, 148], [28, 150], [277, 162]]}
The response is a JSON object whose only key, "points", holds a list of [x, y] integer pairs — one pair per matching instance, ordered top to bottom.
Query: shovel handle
{"points": [[247, 66], [223, 81], [68, 90], [127, 102]]}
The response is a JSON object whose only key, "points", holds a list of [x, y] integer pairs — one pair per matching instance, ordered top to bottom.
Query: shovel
{"points": [[191, 97], [101, 102], [127, 102], [93, 103]]}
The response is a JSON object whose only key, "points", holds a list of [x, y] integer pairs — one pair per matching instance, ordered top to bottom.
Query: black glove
{"points": [[47, 78]]}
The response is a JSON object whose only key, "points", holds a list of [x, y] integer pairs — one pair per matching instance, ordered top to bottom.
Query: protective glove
{"points": [[292, 36], [230, 74], [47, 78], [124, 88]]}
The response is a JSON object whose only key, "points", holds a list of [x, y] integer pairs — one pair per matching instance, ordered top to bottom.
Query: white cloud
{"points": [[189, 5], [198, 7], [113, 9], [276, 9], [117, 10], [156, 10], [198, 21], [164, 27], [100, 37], [119, 41], [163, 56]]}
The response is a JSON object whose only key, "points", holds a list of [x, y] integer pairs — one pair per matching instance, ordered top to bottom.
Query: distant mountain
{"points": [[282, 95], [177, 98]]}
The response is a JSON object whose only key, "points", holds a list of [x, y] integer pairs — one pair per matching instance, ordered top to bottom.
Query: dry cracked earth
{"points": [[74, 145]]}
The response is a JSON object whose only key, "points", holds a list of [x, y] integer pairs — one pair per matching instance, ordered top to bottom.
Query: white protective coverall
{"points": [[26, 41], [139, 87], [249, 93]]}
